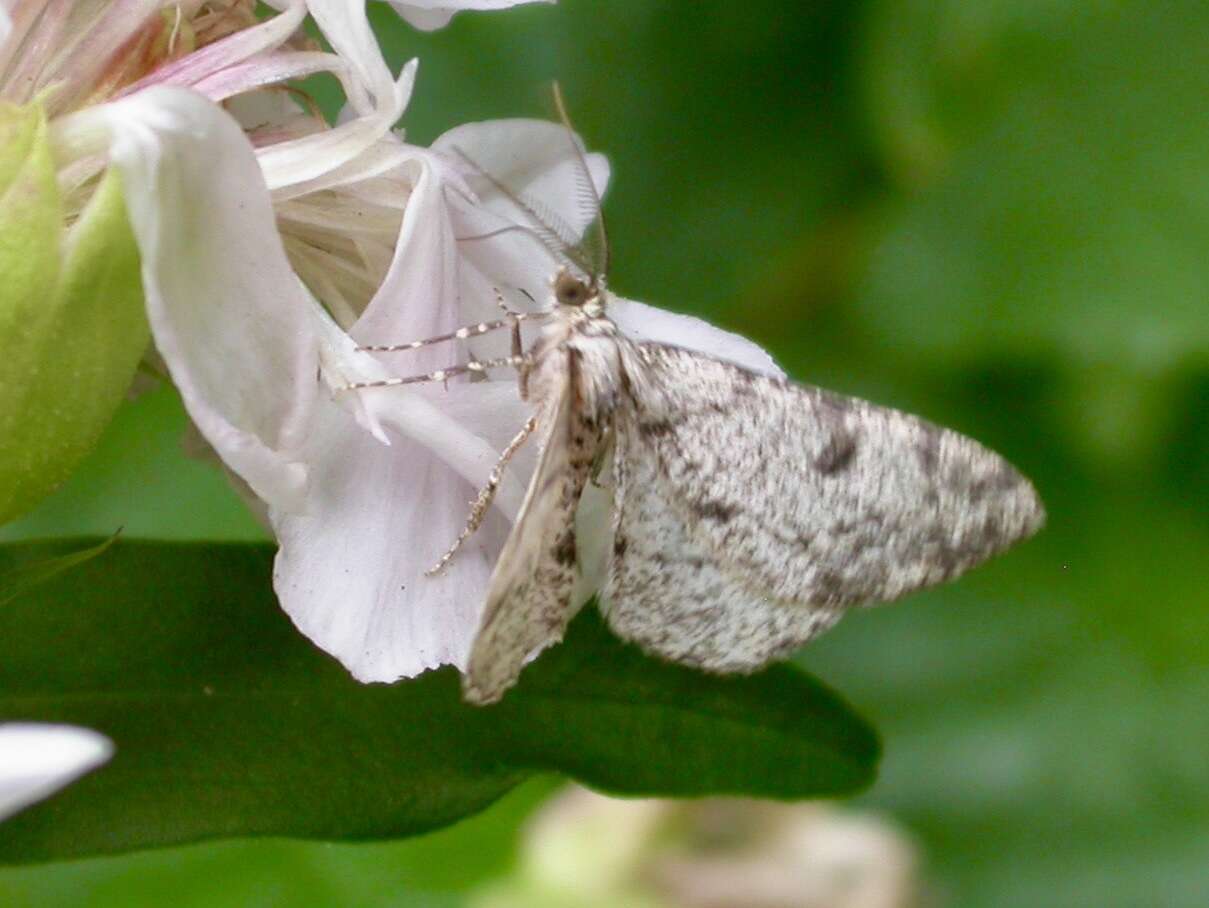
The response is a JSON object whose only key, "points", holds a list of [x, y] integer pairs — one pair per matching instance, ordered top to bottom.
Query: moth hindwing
{"points": [[750, 511]]}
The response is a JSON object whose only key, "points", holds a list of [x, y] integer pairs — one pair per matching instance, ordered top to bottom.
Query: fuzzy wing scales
{"points": [[814, 498], [670, 594], [528, 601]]}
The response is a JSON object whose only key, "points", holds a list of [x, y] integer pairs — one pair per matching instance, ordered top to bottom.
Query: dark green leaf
{"points": [[227, 722]]}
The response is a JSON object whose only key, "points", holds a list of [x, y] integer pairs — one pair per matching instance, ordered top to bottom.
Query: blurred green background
{"points": [[991, 212]]}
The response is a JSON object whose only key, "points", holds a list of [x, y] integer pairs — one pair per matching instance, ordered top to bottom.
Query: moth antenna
{"points": [[586, 190], [550, 230], [547, 238]]}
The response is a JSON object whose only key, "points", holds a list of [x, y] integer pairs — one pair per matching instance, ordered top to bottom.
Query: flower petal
{"points": [[433, 14], [345, 26], [234, 49], [271, 69], [296, 162], [226, 310], [642, 322], [350, 571], [37, 760]]}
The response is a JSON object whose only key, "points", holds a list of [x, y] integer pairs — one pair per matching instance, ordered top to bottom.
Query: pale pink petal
{"points": [[433, 14], [73, 45], [226, 52], [271, 69], [418, 297], [227, 312], [350, 571], [37, 760]]}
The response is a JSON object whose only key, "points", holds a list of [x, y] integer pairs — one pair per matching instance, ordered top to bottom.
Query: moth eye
{"points": [[571, 293]]}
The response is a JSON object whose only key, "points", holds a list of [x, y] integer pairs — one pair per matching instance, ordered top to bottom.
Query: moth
{"points": [[749, 512]]}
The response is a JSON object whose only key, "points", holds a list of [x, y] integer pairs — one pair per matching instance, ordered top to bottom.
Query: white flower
{"points": [[243, 224], [38, 760]]}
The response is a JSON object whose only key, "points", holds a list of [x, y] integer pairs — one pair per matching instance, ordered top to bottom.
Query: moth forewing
{"points": [[529, 597]]}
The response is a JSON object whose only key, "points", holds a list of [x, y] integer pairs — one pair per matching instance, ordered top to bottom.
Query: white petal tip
{"points": [[37, 760]]}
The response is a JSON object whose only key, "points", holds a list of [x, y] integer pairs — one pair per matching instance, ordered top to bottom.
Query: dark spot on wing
{"points": [[745, 382], [832, 404], [654, 428], [928, 449], [837, 452], [958, 475], [1005, 478], [1001, 479], [712, 509], [992, 533], [620, 544], [564, 549], [829, 588]]}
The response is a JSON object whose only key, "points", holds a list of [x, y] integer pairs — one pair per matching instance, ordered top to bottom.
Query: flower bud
{"points": [[72, 324]]}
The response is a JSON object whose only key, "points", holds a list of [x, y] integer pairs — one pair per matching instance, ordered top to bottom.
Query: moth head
{"points": [[573, 291]]}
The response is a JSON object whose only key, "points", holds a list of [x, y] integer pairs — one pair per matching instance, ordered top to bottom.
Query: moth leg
{"points": [[518, 314], [513, 320], [466, 331], [517, 345], [522, 373], [441, 374], [478, 509]]}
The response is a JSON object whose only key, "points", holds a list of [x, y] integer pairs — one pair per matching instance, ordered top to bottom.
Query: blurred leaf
{"points": [[1061, 155], [228, 723]]}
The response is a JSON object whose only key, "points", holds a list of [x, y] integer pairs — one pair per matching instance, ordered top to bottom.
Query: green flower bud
{"points": [[72, 323]]}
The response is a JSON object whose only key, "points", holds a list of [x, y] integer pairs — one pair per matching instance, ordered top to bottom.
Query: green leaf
{"points": [[72, 324], [229, 723]]}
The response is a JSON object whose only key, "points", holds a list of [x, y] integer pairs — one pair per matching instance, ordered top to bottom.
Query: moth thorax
{"points": [[571, 291]]}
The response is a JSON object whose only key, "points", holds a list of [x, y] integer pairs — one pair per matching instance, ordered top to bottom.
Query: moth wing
{"points": [[813, 498], [669, 592], [528, 602]]}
